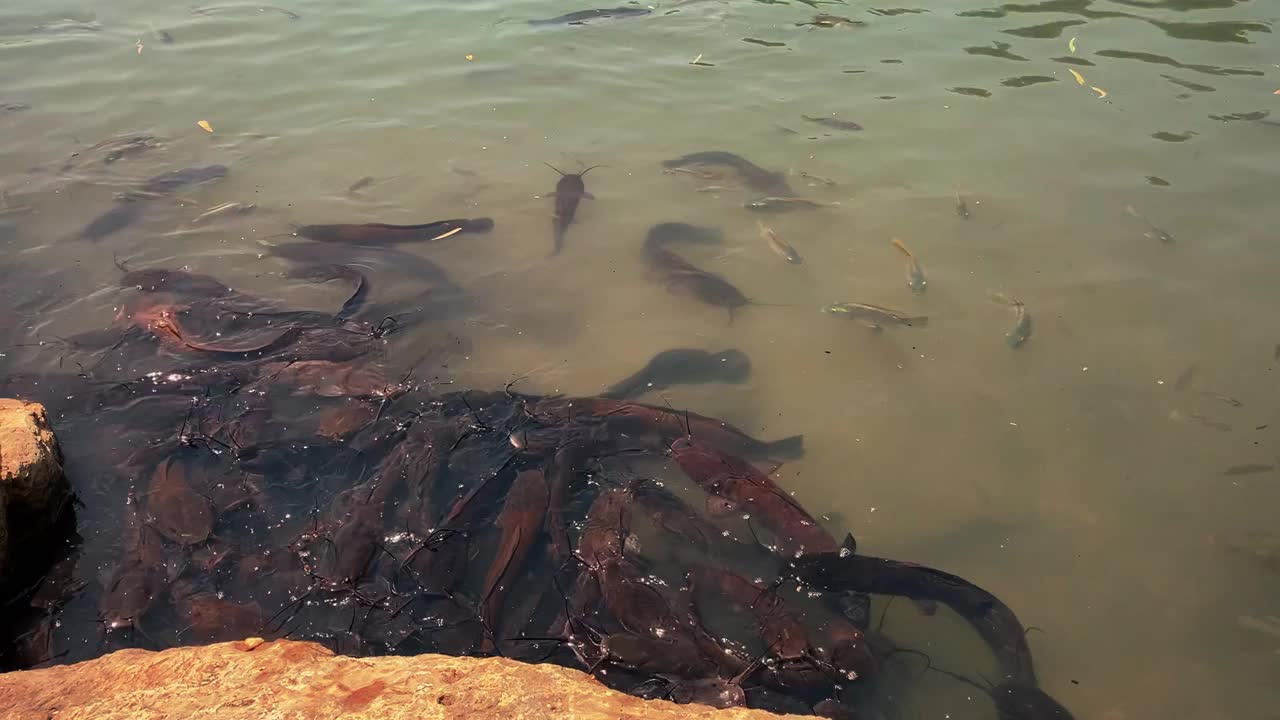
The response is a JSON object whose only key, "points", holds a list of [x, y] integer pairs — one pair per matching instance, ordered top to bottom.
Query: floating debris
{"points": [[763, 43]]}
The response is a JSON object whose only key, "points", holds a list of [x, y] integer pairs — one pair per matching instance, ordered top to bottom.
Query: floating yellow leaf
{"points": [[1071, 45], [470, 56], [1079, 78], [1276, 92], [1101, 93], [205, 126]]}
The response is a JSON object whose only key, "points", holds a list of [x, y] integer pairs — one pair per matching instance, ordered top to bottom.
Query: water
{"points": [[1058, 475]]}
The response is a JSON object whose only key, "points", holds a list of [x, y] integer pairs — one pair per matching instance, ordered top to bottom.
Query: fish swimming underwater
{"points": [[568, 193]]}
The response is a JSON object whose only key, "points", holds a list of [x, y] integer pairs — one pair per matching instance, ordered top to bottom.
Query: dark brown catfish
{"points": [[568, 193], [383, 234], [178, 282], [708, 288], [683, 366], [657, 427], [563, 470], [718, 473], [178, 511], [521, 521], [139, 579], [803, 658], [1017, 696]]}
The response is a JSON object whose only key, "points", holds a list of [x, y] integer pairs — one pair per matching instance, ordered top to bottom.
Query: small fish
{"points": [[211, 10], [582, 17], [829, 21], [764, 43], [1079, 78], [834, 123], [702, 174], [816, 178], [360, 184], [709, 188], [785, 204], [961, 208], [223, 209], [1153, 231], [778, 245], [915, 274], [875, 315], [1021, 326], [1021, 331], [1184, 379], [1233, 402], [1206, 421], [1248, 469]]}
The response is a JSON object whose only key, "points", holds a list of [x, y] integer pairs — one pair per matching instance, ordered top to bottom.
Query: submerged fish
{"points": [[582, 17], [823, 20], [834, 123], [752, 175], [170, 181], [360, 184], [568, 193], [785, 204], [224, 209], [962, 209], [114, 220], [1154, 232], [383, 234], [778, 245], [915, 273], [875, 315], [1021, 331], [683, 366], [1248, 469]]}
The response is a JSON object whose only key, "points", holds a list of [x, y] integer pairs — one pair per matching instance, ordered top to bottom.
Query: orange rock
{"points": [[290, 679]]}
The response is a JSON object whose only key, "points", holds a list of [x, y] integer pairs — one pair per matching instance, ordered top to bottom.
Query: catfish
{"points": [[570, 191], [718, 473], [520, 520]]}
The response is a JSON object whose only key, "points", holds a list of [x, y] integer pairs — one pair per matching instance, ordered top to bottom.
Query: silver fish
{"points": [[784, 204], [778, 245], [915, 274], [875, 315]]}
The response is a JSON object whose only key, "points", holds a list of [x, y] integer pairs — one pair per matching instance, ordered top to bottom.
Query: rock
{"points": [[33, 489], [287, 679]]}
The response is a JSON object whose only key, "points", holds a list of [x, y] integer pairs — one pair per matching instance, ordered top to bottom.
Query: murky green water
{"points": [[1070, 476]]}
